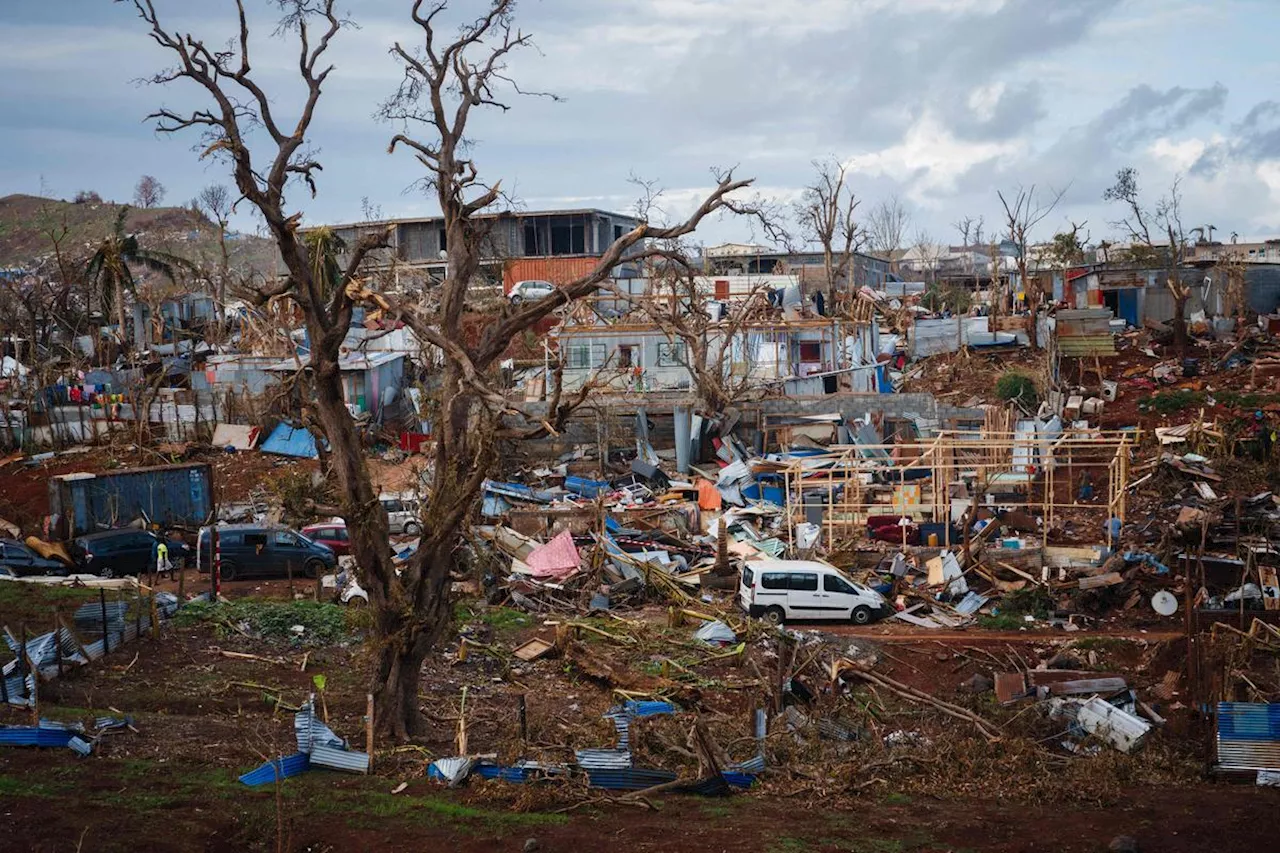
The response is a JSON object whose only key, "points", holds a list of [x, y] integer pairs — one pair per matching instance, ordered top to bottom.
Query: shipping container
{"points": [[555, 270], [168, 495]]}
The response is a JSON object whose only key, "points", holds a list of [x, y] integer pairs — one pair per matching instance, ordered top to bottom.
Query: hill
{"points": [[26, 222]]}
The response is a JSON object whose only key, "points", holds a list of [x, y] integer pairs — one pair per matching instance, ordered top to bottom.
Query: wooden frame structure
{"points": [[919, 480]]}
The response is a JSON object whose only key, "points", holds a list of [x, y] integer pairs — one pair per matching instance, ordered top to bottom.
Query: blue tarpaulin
{"points": [[288, 440]]}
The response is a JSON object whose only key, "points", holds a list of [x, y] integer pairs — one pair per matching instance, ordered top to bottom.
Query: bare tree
{"points": [[445, 80], [149, 192], [214, 201], [1024, 209], [825, 213], [887, 227], [1147, 229], [1067, 249], [929, 252], [702, 337]]}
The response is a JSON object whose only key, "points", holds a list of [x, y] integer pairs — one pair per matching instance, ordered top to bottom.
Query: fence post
{"points": [[215, 576], [106, 638], [57, 640]]}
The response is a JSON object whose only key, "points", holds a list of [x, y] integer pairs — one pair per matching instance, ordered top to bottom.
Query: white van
{"points": [[403, 513], [780, 590]]}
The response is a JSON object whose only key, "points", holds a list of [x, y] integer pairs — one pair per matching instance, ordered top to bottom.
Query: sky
{"points": [[941, 103]]}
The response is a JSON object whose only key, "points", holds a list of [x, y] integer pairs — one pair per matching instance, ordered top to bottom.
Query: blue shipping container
{"points": [[169, 495]]}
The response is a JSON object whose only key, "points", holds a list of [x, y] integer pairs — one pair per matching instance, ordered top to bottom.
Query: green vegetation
{"points": [[955, 298], [1016, 387], [1172, 402], [1031, 601], [32, 603], [500, 619], [324, 623], [1101, 644], [25, 786], [897, 799], [371, 809], [787, 844]]}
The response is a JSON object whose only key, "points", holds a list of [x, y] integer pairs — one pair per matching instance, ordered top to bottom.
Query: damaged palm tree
{"points": [[445, 80]]}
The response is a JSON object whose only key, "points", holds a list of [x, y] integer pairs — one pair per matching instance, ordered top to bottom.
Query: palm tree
{"points": [[108, 269]]}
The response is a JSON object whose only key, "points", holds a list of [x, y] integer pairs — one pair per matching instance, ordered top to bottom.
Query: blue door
{"points": [[1127, 305]]}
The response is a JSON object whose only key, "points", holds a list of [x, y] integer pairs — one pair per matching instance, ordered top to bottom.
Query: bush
{"points": [[955, 298], [1015, 387], [1172, 402]]}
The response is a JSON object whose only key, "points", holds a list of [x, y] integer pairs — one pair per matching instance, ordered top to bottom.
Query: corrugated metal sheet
{"points": [[1087, 345], [287, 440], [168, 495], [311, 733], [1248, 736], [340, 759], [282, 768], [628, 779]]}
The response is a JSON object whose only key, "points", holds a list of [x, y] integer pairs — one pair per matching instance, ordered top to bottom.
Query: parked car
{"points": [[528, 291], [403, 513], [332, 534], [254, 550], [116, 553], [22, 562], [780, 590]]}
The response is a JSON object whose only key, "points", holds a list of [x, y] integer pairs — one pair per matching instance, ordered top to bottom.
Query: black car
{"points": [[249, 550], [116, 553], [23, 562]]}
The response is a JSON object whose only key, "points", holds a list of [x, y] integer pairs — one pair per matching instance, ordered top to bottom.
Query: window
{"points": [[618, 231], [568, 238], [444, 240], [531, 240], [811, 351], [672, 354], [627, 355], [578, 356], [394, 505], [340, 534], [225, 539], [285, 539], [256, 541], [747, 577], [774, 580], [804, 582], [831, 583]]}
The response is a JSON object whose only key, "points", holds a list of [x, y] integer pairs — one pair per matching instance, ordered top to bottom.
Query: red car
{"points": [[333, 534]]}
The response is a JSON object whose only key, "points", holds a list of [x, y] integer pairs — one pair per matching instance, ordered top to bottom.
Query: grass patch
{"points": [[1171, 402], [32, 603], [500, 619], [1001, 622], [324, 623], [1101, 644], [14, 786], [897, 798], [370, 809], [787, 844]]}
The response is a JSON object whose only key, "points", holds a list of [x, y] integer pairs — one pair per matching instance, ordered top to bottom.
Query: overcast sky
{"points": [[939, 101]]}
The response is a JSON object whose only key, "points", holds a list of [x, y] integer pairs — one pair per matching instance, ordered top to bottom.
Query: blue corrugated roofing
{"points": [[288, 440], [287, 766]]}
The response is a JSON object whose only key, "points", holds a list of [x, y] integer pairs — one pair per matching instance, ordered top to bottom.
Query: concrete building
{"points": [[550, 245], [749, 259]]}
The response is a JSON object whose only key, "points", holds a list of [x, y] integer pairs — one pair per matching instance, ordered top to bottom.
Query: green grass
{"points": [[1172, 402], [33, 604], [500, 619], [1001, 622], [324, 623], [1101, 644], [24, 786], [897, 799], [370, 809], [787, 844]]}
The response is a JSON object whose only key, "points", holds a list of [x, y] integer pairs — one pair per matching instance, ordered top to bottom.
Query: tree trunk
{"points": [[120, 317], [1179, 324]]}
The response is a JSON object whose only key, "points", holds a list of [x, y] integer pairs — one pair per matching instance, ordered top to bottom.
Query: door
{"points": [[1127, 305], [138, 553], [287, 554], [253, 557], [775, 589], [838, 597], [804, 598]]}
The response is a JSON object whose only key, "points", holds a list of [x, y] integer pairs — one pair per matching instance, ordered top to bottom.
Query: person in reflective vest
{"points": [[162, 558]]}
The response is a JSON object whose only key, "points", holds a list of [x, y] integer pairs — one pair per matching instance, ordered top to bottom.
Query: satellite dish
{"points": [[1165, 603]]}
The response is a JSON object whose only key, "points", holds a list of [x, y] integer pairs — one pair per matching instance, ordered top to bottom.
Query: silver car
{"points": [[530, 291]]}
